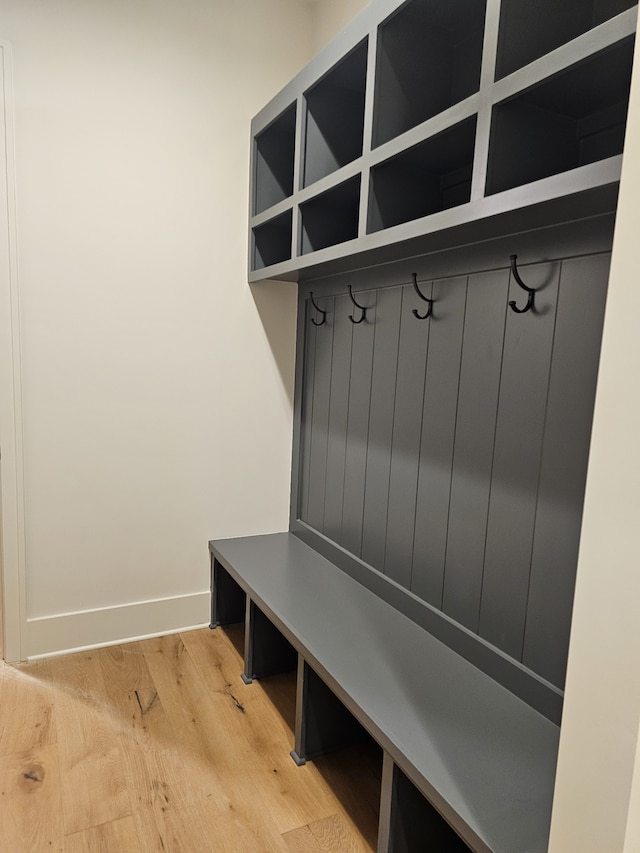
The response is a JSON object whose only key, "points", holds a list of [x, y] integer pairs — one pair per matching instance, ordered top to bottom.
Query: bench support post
{"points": [[227, 597], [266, 651], [323, 724], [408, 822]]}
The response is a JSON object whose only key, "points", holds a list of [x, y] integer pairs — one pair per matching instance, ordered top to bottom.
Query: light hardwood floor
{"points": [[159, 746]]}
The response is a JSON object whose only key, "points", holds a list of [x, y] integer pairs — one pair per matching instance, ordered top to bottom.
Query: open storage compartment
{"points": [[530, 29], [429, 58], [335, 117], [575, 118], [275, 154], [432, 176], [331, 218], [272, 241], [415, 826]]}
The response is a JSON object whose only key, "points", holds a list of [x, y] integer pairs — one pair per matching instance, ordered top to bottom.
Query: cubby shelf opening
{"points": [[529, 30], [429, 58], [335, 117], [575, 118], [275, 154], [432, 176], [331, 218], [272, 241]]}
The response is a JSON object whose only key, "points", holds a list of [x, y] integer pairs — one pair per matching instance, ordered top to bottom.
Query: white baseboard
{"points": [[89, 629]]}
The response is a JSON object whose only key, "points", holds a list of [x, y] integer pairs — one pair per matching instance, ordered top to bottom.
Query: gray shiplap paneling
{"points": [[383, 391], [306, 407], [338, 412], [320, 417], [358, 429], [405, 442], [436, 445], [473, 448], [516, 463], [564, 464]]}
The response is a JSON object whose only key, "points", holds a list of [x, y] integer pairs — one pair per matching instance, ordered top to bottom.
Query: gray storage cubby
{"points": [[530, 29], [429, 58], [543, 86], [335, 117], [575, 118], [274, 159], [432, 176], [331, 217], [272, 241], [266, 650], [414, 825]]}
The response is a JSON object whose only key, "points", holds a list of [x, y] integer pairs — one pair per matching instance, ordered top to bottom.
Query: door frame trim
{"points": [[12, 515]]}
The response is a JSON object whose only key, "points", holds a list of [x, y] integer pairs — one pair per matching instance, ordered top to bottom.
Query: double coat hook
{"points": [[425, 298], [531, 298], [363, 308], [319, 310]]}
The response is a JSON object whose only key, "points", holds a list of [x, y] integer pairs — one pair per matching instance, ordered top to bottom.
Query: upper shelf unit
{"points": [[428, 123]]}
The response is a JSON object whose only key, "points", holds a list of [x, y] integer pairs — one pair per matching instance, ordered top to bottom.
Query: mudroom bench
{"points": [[467, 765]]}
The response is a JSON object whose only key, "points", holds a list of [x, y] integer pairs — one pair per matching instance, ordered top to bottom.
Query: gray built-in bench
{"points": [[467, 764]]}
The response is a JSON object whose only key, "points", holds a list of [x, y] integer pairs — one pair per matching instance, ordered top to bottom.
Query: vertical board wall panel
{"points": [[383, 393], [307, 407], [338, 412], [320, 418], [358, 430], [405, 442], [436, 444], [473, 448], [450, 453], [565, 453], [516, 462]]}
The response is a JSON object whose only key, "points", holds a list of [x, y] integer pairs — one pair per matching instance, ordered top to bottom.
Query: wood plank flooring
{"points": [[159, 746]]}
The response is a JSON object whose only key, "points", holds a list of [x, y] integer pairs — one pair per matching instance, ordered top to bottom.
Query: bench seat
{"points": [[483, 758]]}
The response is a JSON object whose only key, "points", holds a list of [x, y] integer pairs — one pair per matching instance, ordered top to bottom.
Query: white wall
{"points": [[330, 16], [156, 384], [596, 807]]}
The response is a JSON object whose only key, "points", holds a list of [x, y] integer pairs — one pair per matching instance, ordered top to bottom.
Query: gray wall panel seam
{"points": [[328, 419], [393, 425], [307, 438], [346, 438], [453, 451], [419, 454], [366, 457], [493, 457], [540, 459]]}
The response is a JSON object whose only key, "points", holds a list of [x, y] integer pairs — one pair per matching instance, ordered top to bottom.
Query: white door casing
{"points": [[12, 539]]}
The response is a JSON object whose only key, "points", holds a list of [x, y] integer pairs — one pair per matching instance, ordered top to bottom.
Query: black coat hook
{"points": [[530, 290], [422, 296], [361, 307], [319, 310]]}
